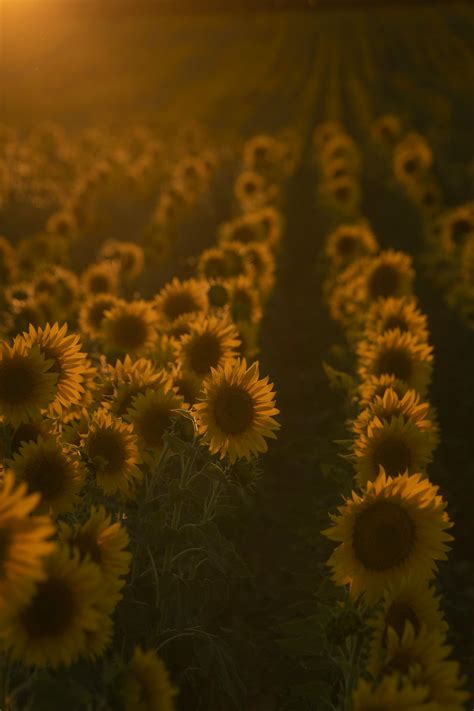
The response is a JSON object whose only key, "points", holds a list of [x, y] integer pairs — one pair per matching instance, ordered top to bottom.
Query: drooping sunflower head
{"points": [[350, 241], [128, 254], [390, 273], [101, 278], [180, 298], [92, 313], [402, 313], [130, 327], [211, 342], [398, 354], [68, 362], [27, 384], [237, 411], [152, 414], [397, 445], [111, 448], [52, 470], [396, 528], [24, 541], [103, 543], [49, 629], [147, 685]]}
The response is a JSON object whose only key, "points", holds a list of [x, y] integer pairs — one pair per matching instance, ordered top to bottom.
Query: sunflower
{"points": [[386, 129], [325, 132], [340, 147], [263, 153], [412, 158], [251, 190], [343, 193], [427, 197], [271, 220], [457, 228], [244, 229], [350, 241], [128, 254], [225, 262], [263, 263], [390, 273], [101, 278], [218, 293], [179, 298], [245, 301], [92, 313], [402, 313], [130, 327], [249, 338], [210, 343], [164, 350], [398, 354], [68, 362], [131, 378], [26, 385], [187, 385], [374, 386], [390, 404], [236, 414], [151, 415], [30, 432], [397, 445], [111, 448], [50, 469], [395, 528], [24, 541], [104, 543], [409, 601], [50, 628], [423, 658], [147, 685], [391, 694]]}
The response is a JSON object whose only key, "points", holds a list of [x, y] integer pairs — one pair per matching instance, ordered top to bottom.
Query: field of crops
{"points": [[237, 336]]}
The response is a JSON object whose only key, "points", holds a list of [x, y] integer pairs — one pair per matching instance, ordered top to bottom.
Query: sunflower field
{"points": [[236, 346]]}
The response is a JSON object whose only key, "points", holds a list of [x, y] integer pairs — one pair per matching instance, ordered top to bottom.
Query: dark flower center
{"points": [[346, 245], [384, 281], [99, 283], [218, 295], [179, 303], [393, 322], [130, 332], [205, 353], [395, 361], [18, 381], [234, 410], [152, 423], [26, 432], [108, 446], [394, 455], [48, 473], [384, 536], [87, 544], [51, 611], [399, 613]]}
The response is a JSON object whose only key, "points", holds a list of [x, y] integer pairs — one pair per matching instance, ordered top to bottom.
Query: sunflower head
{"points": [[386, 129], [348, 242], [128, 255], [390, 273], [101, 278], [180, 298], [245, 301], [92, 313], [390, 313], [129, 327], [210, 343], [27, 383], [237, 411], [151, 415], [110, 446], [52, 470], [396, 528], [147, 685], [390, 694]]}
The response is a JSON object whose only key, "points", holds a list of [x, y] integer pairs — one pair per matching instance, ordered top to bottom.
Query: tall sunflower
{"points": [[348, 242], [179, 298], [129, 327], [210, 343], [398, 354], [68, 362], [27, 384], [236, 414], [397, 445], [111, 447], [52, 470], [395, 528], [24, 541], [50, 628], [147, 685]]}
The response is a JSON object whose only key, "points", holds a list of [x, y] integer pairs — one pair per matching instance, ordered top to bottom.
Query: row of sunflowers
{"points": [[130, 426], [393, 528]]}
